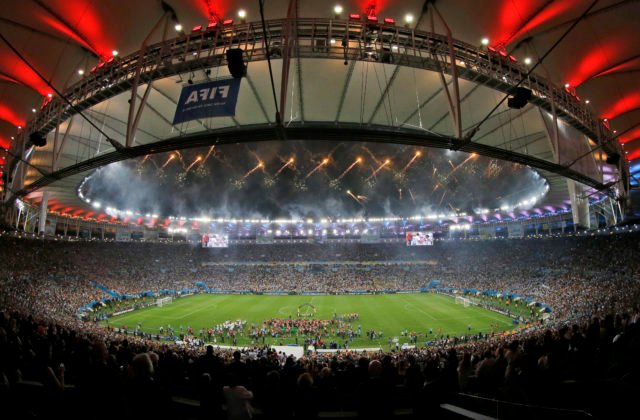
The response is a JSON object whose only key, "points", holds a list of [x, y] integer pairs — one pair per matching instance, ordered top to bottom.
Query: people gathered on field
{"points": [[585, 354]]}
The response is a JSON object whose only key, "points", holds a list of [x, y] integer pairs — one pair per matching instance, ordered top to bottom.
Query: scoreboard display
{"points": [[419, 238], [215, 240]]}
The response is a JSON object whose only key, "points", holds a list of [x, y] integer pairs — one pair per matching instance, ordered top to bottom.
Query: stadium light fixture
{"points": [[337, 9], [408, 18], [485, 41]]}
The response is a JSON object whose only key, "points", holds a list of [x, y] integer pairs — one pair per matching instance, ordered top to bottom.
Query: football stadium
{"points": [[280, 209]]}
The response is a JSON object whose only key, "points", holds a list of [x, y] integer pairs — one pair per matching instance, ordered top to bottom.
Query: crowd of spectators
{"points": [[587, 354]]}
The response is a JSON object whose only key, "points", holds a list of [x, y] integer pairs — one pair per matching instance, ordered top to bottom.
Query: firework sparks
{"points": [[177, 152], [208, 154], [171, 157], [198, 159], [413, 159], [287, 163], [350, 167], [255, 168], [317, 168], [455, 168], [375, 172], [350, 194], [400, 194], [412, 197], [442, 198]]}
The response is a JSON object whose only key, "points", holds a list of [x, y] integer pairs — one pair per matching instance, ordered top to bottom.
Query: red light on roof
{"points": [[354, 16], [372, 19], [390, 21], [227, 22], [212, 25], [196, 29], [492, 49], [503, 53], [513, 58], [109, 60], [101, 65], [93, 69], [567, 90], [577, 98]]}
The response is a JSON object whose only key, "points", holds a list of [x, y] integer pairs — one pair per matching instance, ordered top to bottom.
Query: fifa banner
{"points": [[210, 99], [515, 230], [487, 232], [419, 238], [215, 240]]}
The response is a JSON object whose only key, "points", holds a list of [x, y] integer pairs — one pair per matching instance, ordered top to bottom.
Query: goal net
{"points": [[164, 301], [463, 301]]}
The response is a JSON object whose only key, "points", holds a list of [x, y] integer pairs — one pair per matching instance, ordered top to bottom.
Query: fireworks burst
{"points": [[177, 152], [208, 154], [171, 157], [198, 159], [413, 159], [287, 163], [255, 168], [317, 168], [202, 171], [346, 171], [375, 172], [181, 179], [269, 182], [238, 183], [300, 185], [350, 194], [412, 197]]}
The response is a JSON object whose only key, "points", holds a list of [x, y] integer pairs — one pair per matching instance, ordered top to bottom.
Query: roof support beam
{"points": [[288, 39], [454, 102], [132, 123], [312, 132], [55, 156]]}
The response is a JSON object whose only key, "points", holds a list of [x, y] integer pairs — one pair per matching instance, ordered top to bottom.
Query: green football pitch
{"points": [[390, 314]]}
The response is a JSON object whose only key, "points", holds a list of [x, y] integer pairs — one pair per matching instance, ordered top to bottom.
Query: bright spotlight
{"points": [[337, 9], [485, 41]]}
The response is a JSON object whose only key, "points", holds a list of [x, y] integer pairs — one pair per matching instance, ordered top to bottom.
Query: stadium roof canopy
{"points": [[384, 75]]}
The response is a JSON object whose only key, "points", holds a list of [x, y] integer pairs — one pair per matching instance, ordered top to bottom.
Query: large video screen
{"points": [[419, 238], [215, 240]]}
